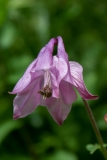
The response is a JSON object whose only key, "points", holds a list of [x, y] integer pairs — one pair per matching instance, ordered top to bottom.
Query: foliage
{"points": [[93, 147]]}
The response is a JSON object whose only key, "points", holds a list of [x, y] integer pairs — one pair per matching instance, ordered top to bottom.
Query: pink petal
{"points": [[61, 49], [62, 54], [45, 55], [43, 61], [57, 72], [25, 80], [78, 82], [55, 86], [67, 92], [25, 102], [58, 110]]}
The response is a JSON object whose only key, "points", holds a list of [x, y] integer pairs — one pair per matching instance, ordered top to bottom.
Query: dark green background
{"points": [[25, 27]]}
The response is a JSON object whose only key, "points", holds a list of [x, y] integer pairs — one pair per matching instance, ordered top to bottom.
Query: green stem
{"points": [[96, 130]]}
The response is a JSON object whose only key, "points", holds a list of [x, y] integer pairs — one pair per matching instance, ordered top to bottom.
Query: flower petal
{"points": [[61, 49], [62, 54], [45, 58], [57, 72], [25, 80], [78, 82], [67, 92], [25, 102], [58, 110]]}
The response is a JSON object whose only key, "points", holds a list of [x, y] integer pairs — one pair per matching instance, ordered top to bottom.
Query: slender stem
{"points": [[96, 130]]}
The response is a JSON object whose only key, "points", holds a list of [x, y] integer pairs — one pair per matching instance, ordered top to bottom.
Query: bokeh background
{"points": [[25, 27]]}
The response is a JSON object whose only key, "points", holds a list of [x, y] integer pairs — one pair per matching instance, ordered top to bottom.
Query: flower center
{"points": [[46, 91]]}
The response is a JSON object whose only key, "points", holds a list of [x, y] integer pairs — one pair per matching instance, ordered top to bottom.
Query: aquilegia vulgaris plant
{"points": [[50, 81]]}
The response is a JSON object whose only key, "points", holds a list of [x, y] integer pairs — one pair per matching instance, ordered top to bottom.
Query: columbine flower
{"points": [[49, 81]]}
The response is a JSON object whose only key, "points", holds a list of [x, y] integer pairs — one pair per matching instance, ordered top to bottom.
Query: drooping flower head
{"points": [[49, 81]]}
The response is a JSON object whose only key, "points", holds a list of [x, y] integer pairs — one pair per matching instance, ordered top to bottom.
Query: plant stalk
{"points": [[96, 130]]}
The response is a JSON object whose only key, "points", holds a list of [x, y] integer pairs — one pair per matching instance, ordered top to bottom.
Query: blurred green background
{"points": [[25, 27]]}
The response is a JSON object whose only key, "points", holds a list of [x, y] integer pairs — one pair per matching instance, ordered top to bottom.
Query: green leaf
{"points": [[105, 145], [92, 147]]}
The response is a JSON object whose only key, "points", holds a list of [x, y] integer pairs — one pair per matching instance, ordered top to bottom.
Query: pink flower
{"points": [[49, 81]]}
